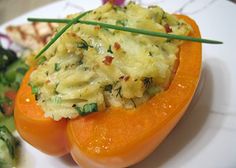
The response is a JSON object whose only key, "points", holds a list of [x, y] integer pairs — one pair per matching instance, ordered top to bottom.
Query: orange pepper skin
{"points": [[43, 133], [119, 137]]}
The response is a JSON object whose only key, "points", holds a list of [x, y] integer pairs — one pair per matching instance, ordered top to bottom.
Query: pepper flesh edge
{"points": [[45, 134]]}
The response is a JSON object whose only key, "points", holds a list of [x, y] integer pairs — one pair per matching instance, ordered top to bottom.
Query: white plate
{"points": [[206, 135]]}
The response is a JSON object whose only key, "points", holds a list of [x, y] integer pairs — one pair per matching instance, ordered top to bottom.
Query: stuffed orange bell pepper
{"points": [[115, 137]]}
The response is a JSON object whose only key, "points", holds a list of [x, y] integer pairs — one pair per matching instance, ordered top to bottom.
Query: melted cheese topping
{"points": [[104, 67]]}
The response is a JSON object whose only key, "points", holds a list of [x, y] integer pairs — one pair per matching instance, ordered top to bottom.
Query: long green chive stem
{"points": [[70, 22], [129, 29]]}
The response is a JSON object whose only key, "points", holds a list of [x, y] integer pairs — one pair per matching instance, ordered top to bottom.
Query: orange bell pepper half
{"points": [[117, 137]]}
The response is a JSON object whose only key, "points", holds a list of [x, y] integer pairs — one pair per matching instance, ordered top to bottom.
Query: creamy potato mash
{"points": [[92, 68]]}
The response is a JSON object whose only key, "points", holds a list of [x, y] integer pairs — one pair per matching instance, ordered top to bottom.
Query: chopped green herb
{"points": [[131, 3], [118, 8], [164, 16], [121, 22], [169, 40], [83, 45], [109, 50], [150, 53], [42, 60], [81, 62], [57, 67], [147, 81], [108, 88], [55, 89], [35, 90], [118, 92], [37, 97], [56, 100], [132, 100], [87, 109]]}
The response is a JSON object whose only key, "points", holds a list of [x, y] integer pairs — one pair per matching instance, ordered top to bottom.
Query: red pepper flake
{"points": [[97, 27], [168, 28], [73, 34], [117, 46], [108, 60], [126, 78], [48, 81]]}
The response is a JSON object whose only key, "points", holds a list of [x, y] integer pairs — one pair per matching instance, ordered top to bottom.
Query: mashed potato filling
{"points": [[90, 68]]}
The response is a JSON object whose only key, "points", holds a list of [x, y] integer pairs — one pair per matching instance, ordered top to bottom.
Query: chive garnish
{"points": [[69, 24], [128, 29]]}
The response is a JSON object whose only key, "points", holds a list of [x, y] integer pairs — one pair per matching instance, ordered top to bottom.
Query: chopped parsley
{"points": [[118, 8], [164, 16], [121, 22], [83, 45], [109, 50], [150, 53], [81, 61], [57, 67], [147, 81], [108, 88], [35, 90], [118, 92], [56, 100], [133, 103], [87, 109]]}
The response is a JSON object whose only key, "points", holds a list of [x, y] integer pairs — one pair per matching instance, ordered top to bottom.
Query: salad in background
{"points": [[29, 37], [14, 63], [12, 70]]}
